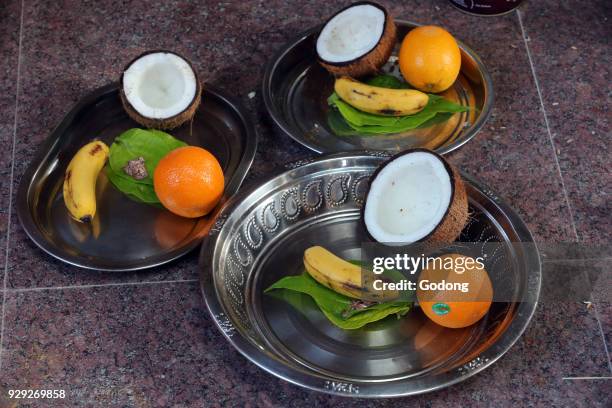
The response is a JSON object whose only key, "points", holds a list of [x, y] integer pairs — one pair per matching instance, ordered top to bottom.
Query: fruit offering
{"points": [[357, 40], [430, 59], [160, 90], [379, 100], [348, 120], [148, 166], [80, 180], [189, 181], [415, 196], [342, 276], [337, 289], [457, 309]]}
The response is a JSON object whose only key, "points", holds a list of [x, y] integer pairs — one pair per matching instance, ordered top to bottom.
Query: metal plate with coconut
{"points": [[363, 80], [134, 198]]}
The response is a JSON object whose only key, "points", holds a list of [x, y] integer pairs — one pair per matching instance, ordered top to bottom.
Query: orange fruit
{"points": [[430, 59], [189, 181], [440, 295]]}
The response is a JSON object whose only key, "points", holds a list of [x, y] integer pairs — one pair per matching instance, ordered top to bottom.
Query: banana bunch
{"points": [[380, 101], [80, 180], [342, 276]]}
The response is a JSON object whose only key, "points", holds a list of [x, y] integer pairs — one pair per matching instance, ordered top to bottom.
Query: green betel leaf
{"points": [[388, 81], [357, 122], [338, 124], [152, 145], [140, 192], [336, 307], [369, 315]]}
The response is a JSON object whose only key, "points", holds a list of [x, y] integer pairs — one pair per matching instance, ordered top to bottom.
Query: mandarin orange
{"points": [[430, 59], [189, 181], [451, 307]]}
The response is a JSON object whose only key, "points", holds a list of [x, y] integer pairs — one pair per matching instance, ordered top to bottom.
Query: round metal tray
{"points": [[295, 91], [126, 235], [259, 236]]}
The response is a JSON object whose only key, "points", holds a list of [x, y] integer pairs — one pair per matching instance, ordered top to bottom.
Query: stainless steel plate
{"points": [[296, 87], [126, 235], [260, 236]]}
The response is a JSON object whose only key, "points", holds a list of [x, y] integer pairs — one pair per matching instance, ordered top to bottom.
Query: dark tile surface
{"points": [[10, 15], [570, 46], [513, 154], [31, 267], [600, 274], [587, 283], [604, 310], [155, 345]]}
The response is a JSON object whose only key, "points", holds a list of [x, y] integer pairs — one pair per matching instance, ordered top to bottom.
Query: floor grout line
{"points": [[550, 137], [552, 143], [12, 179], [100, 285], [603, 335]]}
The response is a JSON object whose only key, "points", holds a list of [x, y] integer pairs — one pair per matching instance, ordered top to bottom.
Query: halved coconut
{"points": [[357, 40], [160, 89], [415, 196]]}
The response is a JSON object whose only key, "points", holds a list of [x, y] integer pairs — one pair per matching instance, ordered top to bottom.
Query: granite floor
{"points": [[146, 340]]}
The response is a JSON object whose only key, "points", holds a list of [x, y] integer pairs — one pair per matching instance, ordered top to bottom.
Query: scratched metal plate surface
{"points": [[126, 235], [260, 236]]}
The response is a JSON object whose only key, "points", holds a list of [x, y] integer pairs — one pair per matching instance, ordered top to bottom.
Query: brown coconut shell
{"points": [[372, 62], [167, 123], [456, 216]]}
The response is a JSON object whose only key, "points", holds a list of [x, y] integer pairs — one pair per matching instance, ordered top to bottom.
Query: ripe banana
{"points": [[380, 101], [80, 180], [342, 276]]}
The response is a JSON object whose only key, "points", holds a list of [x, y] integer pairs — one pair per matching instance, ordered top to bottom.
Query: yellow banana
{"points": [[380, 101], [80, 180], [342, 276]]}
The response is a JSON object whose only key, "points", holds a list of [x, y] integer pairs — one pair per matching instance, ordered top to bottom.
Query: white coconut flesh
{"points": [[351, 34], [160, 85], [408, 199]]}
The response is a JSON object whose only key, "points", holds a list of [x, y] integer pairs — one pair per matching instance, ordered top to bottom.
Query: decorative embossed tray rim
{"points": [[301, 376]]}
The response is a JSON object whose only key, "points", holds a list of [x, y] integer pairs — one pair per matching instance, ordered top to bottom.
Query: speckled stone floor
{"points": [[146, 339]]}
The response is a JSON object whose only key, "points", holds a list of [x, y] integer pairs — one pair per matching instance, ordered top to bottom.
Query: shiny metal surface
{"points": [[295, 90], [126, 235], [259, 236]]}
